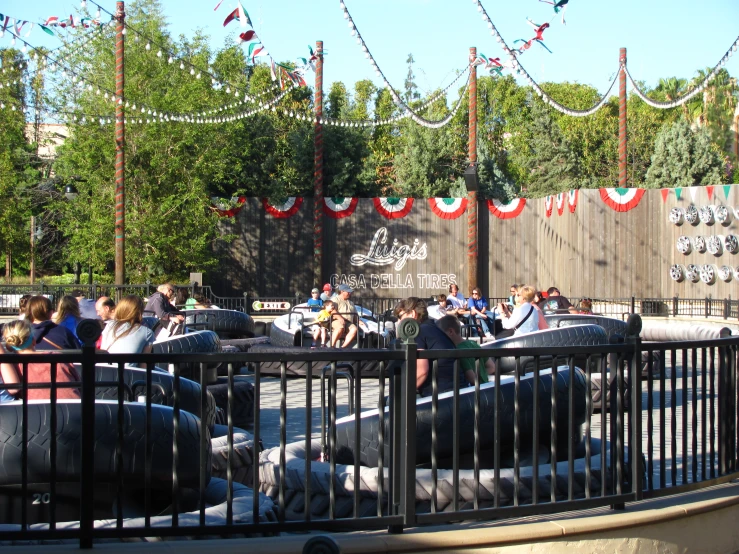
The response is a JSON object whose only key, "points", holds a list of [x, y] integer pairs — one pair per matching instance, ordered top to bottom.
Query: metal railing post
{"points": [[246, 302], [633, 304], [674, 306], [727, 307], [707, 308], [635, 425], [408, 437], [87, 456]]}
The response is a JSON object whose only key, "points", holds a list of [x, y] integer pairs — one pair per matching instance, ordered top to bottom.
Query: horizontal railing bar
{"points": [[688, 487]]}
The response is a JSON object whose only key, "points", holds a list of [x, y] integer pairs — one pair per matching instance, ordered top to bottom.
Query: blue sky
{"points": [[664, 38]]}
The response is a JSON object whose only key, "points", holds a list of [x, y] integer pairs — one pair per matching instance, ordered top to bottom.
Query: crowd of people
{"points": [[337, 318], [40, 327]]}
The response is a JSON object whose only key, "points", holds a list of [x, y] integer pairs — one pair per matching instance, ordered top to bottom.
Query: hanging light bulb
{"points": [[123, 32], [148, 46], [159, 54], [182, 65], [192, 71], [198, 75]]}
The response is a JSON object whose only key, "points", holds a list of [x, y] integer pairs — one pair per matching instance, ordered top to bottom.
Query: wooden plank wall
{"points": [[594, 251]]}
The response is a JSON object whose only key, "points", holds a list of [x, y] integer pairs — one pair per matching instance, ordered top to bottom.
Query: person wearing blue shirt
{"points": [[314, 302], [478, 307]]}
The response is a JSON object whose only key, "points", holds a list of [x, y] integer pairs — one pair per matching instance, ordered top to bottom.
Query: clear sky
{"points": [[664, 38]]}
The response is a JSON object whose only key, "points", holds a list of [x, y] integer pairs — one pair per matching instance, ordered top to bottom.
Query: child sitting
{"points": [[314, 303], [323, 320]]}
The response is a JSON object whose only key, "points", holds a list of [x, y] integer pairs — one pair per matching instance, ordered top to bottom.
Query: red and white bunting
{"points": [[572, 197], [621, 199], [560, 203], [549, 205], [338, 207], [393, 208], [448, 208], [284, 209], [506, 211]]}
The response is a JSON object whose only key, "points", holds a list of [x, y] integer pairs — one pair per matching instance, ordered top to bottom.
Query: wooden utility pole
{"points": [[622, 143], [120, 155], [318, 169], [472, 195]]}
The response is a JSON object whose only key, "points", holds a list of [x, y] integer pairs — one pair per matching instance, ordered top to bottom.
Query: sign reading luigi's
{"points": [[392, 255]]}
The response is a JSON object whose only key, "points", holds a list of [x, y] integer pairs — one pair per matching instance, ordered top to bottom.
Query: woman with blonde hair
{"points": [[68, 315], [524, 318], [47, 334], [126, 334], [18, 337]]}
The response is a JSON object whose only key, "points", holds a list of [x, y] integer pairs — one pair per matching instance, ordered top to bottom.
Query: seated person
{"points": [[327, 292], [456, 300], [314, 302], [555, 303], [22, 305], [87, 305], [161, 306], [586, 306], [105, 308], [478, 308], [437, 311], [68, 315], [524, 318], [323, 320], [342, 322], [449, 324], [47, 334], [126, 335], [18, 337], [430, 337]]}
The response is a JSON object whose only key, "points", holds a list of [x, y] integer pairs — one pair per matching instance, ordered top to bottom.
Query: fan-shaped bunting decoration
{"points": [[572, 198], [621, 200], [560, 203], [549, 205], [339, 206], [226, 208], [282, 208], [393, 208], [448, 208], [506, 211]]}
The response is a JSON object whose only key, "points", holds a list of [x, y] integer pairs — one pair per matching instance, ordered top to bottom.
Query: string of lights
{"points": [[687, 96], [396, 97]]}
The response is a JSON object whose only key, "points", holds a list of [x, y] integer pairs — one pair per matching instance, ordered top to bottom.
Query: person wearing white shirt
{"points": [[456, 299], [524, 318]]}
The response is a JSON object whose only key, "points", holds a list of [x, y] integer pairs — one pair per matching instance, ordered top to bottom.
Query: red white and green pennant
{"points": [[572, 198], [620, 199], [560, 203], [549, 205], [338, 207], [227, 208], [393, 208], [448, 208], [282, 209], [506, 211]]}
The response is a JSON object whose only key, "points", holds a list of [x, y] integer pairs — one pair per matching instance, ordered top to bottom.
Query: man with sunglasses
{"points": [[160, 303], [478, 306], [430, 337]]}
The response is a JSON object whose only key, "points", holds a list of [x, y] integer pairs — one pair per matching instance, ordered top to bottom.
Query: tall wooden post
{"points": [[622, 144], [120, 155], [318, 169], [472, 196], [33, 249]]}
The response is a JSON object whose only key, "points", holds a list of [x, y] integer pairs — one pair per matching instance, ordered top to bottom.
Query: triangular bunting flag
{"points": [[238, 14], [248, 36], [727, 188], [709, 190], [678, 192], [693, 192], [664, 193]]}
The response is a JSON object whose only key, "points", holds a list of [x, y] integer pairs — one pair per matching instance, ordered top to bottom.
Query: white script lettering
{"points": [[382, 254]]}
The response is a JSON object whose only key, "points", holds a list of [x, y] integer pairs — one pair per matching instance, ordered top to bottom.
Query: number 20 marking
{"points": [[39, 498]]}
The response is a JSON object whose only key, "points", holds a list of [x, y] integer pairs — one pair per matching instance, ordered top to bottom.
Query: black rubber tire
{"points": [[228, 324], [611, 325], [580, 335], [280, 337], [197, 342], [370, 368], [189, 390], [243, 395], [69, 436], [369, 440]]}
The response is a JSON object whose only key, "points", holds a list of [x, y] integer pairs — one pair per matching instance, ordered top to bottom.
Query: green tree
{"points": [[683, 158], [552, 162]]}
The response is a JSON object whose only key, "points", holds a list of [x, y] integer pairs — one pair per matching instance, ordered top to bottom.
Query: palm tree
{"points": [[673, 88]]}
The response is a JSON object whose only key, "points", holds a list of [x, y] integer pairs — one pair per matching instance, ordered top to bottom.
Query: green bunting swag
{"points": [[621, 199], [338, 207], [282, 208], [393, 208], [448, 208]]}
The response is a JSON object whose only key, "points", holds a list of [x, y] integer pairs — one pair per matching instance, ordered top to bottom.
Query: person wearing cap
{"points": [[327, 290], [314, 303], [342, 324]]}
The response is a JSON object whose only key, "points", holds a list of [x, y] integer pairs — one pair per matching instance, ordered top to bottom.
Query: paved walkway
{"points": [[691, 403]]}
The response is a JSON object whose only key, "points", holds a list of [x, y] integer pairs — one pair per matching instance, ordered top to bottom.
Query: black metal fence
{"points": [[570, 428]]}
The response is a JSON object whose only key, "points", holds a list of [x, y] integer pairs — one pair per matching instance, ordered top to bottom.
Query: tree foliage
{"points": [[683, 158]]}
